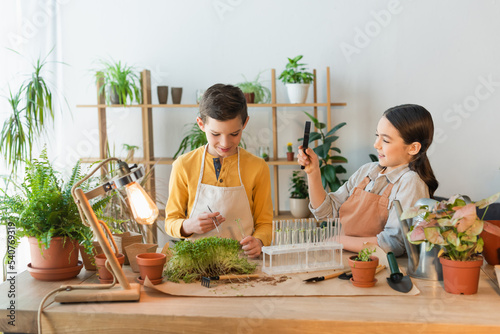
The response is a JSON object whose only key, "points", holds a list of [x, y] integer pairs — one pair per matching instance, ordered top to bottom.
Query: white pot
{"points": [[297, 92], [299, 207]]}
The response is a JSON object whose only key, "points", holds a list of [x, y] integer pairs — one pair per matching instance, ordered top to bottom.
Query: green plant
{"points": [[295, 72], [121, 79], [262, 94], [31, 107], [194, 138], [289, 147], [329, 172], [298, 189], [43, 207], [453, 225], [364, 254], [210, 256]]}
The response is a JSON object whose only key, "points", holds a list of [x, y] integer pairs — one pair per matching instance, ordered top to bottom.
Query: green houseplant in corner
{"points": [[296, 79], [120, 81], [254, 91], [329, 172], [299, 196], [43, 210], [454, 226]]}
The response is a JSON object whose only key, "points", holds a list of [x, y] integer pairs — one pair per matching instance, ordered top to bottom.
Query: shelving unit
{"points": [[149, 159]]}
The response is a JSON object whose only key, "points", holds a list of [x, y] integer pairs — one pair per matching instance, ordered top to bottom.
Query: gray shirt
{"points": [[408, 188]]}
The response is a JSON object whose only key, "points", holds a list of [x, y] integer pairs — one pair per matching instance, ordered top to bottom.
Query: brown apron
{"points": [[365, 214]]}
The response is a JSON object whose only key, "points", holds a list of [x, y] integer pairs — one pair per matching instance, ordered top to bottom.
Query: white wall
{"points": [[443, 55]]}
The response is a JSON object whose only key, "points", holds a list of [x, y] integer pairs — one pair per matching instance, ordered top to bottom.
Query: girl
{"points": [[364, 202]]}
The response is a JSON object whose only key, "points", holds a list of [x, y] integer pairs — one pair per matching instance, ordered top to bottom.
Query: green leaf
{"points": [[335, 128], [329, 172]]}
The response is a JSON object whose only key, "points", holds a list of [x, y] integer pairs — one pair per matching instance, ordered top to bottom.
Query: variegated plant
{"points": [[453, 225]]}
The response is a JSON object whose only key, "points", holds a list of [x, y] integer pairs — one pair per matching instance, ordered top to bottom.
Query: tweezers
{"points": [[214, 220]]}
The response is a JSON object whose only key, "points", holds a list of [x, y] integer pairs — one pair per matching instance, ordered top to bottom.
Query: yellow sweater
{"points": [[184, 182]]}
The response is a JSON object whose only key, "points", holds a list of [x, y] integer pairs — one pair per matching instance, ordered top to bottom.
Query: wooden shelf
{"points": [[250, 105], [149, 159]]}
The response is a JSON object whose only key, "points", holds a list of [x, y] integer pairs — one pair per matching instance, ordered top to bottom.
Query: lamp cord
{"points": [[73, 287]]}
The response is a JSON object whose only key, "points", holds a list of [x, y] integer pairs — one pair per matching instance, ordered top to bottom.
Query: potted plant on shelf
{"points": [[297, 80], [120, 81], [254, 91], [289, 152], [329, 172], [299, 196], [44, 211], [454, 226], [363, 267]]}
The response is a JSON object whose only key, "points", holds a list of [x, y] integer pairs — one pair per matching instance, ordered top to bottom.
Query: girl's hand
{"points": [[310, 161], [201, 224], [252, 246]]}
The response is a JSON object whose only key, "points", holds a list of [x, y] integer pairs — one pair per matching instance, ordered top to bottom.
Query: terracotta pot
{"points": [[162, 94], [176, 95], [250, 97], [289, 156], [135, 249], [491, 249], [62, 253], [88, 260], [151, 265], [363, 272], [104, 274], [461, 277]]}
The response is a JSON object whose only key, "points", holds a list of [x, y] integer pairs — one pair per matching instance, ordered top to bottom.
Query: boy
{"points": [[223, 178]]}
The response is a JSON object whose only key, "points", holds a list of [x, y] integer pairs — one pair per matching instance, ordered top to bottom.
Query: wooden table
{"points": [[433, 311]]}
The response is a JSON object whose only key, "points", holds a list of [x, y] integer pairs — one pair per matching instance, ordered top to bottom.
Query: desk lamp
{"points": [[144, 211]]}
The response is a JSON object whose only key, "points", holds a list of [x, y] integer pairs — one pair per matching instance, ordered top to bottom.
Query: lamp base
{"points": [[114, 294]]}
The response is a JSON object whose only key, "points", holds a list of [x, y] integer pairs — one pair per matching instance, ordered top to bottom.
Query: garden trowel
{"points": [[397, 281]]}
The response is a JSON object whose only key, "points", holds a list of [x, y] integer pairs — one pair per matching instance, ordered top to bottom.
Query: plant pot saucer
{"points": [[57, 274], [153, 281], [363, 284]]}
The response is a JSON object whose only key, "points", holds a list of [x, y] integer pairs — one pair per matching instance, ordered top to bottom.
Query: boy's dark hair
{"points": [[223, 102]]}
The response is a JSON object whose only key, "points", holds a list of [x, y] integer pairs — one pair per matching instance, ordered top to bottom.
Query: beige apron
{"points": [[231, 202], [365, 214]]}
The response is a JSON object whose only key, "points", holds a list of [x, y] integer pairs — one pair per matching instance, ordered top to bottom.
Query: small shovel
{"points": [[322, 278], [205, 281], [397, 281]]}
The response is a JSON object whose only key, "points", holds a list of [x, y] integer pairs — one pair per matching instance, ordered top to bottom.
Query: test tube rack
{"points": [[302, 245]]}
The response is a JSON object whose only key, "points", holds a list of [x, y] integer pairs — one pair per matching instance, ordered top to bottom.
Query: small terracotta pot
{"points": [[250, 97], [289, 156], [491, 249], [62, 253], [151, 265], [363, 272], [104, 274], [461, 277]]}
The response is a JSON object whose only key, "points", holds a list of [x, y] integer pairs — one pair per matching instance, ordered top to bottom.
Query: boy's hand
{"points": [[310, 161], [201, 224], [252, 246]]}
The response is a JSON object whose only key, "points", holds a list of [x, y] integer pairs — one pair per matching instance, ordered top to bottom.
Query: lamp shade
{"points": [[144, 209]]}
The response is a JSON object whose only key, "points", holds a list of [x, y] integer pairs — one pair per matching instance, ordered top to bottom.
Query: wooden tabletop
{"points": [[433, 311]]}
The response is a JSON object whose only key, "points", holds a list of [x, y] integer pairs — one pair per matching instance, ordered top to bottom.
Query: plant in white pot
{"points": [[297, 80], [299, 196], [454, 226]]}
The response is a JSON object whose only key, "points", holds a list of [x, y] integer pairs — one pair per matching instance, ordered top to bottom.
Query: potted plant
{"points": [[296, 79], [120, 81], [254, 91], [289, 152], [329, 172], [299, 196], [43, 210], [454, 226], [363, 267]]}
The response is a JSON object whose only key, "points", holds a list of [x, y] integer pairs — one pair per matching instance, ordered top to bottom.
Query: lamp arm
{"points": [[76, 185]]}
